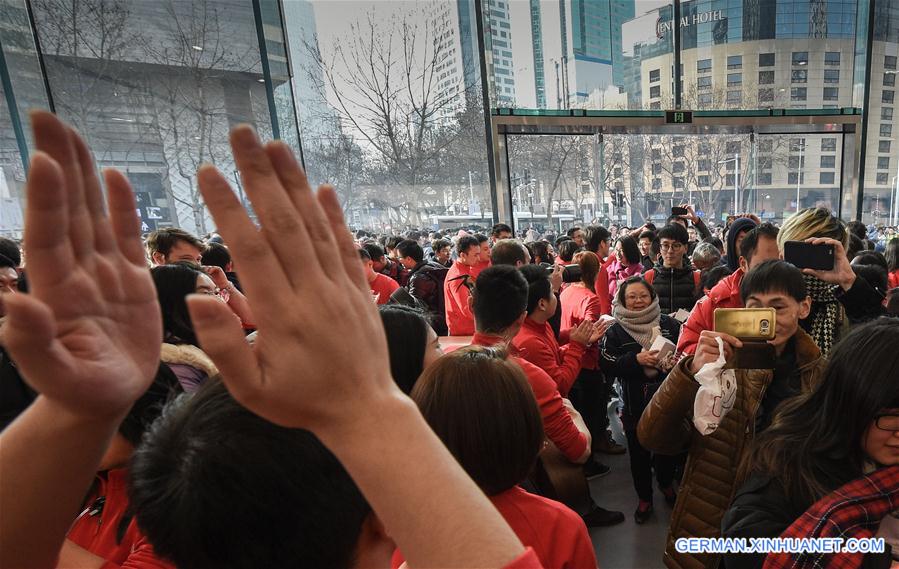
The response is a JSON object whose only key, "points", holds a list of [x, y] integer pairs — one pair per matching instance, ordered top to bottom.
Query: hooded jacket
{"points": [[738, 225]]}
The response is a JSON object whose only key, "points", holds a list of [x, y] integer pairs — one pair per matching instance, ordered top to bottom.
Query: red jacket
{"points": [[477, 269], [893, 279], [602, 286], [725, 294], [579, 304], [459, 319], [537, 344], [557, 423], [96, 528], [557, 535]]}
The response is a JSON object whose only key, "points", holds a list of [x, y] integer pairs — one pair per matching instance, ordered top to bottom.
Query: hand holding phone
{"points": [[808, 255], [840, 273]]}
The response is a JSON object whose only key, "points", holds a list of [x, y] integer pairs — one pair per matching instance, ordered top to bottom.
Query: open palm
{"points": [[89, 334]]}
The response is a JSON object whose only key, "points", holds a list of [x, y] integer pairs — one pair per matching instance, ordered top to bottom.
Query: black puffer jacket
{"points": [[426, 285], [676, 288], [618, 358]]}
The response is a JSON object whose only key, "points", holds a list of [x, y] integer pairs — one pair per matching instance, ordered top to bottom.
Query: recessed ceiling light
{"points": [[196, 47], [261, 80], [120, 119]]}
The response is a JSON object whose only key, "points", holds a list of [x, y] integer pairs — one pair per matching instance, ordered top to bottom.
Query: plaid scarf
{"points": [[826, 313], [852, 511]]}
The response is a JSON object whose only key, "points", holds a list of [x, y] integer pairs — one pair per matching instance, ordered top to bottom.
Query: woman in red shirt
{"points": [[892, 256], [482, 408]]}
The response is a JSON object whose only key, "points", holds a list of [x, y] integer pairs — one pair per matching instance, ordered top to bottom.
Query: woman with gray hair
{"points": [[706, 256]]}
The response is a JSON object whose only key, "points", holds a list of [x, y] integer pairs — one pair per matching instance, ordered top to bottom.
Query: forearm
{"points": [[702, 229], [238, 304], [578, 421], [47, 462], [462, 528], [73, 556]]}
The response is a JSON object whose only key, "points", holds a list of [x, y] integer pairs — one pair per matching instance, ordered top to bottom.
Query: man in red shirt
{"points": [[758, 245], [484, 261], [382, 286], [499, 303], [459, 319]]}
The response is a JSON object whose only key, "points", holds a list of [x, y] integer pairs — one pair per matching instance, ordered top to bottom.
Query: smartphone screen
{"points": [[679, 211], [808, 256]]}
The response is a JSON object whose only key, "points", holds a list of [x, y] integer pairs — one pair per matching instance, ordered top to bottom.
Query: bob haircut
{"points": [[812, 222], [636, 279], [407, 339], [483, 409]]}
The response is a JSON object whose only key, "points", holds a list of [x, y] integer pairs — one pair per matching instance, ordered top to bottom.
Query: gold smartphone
{"points": [[746, 323]]}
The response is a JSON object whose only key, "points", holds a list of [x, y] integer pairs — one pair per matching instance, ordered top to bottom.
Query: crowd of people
{"points": [[277, 393]]}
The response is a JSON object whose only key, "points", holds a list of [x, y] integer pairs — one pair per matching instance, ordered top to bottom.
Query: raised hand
{"points": [[842, 273], [312, 306], [88, 335]]}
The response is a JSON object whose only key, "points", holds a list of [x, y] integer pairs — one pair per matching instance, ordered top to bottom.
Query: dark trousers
{"points": [[591, 395], [642, 464]]}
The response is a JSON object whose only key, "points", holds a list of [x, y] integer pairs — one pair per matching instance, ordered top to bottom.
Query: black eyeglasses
{"points": [[887, 422]]}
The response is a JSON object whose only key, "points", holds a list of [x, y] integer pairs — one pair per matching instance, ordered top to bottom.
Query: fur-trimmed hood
{"points": [[187, 354]]}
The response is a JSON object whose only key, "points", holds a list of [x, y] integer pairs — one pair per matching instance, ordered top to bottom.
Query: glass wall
{"points": [[388, 98]]}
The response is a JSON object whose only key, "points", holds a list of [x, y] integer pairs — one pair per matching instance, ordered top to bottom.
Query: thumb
{"points": [[30, 336], [223, 340]]}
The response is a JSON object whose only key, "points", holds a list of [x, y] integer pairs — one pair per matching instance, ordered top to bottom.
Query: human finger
{"points": [[52, 136], [93, 196], [123, 219], [282, 225], [321, 234], [346, 249], [50, 254], [261, 271], [29, 333], [223, 340], [730, 340]]}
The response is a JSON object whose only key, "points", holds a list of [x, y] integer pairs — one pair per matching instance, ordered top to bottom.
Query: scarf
{"points": [[826, 314], [639, 323]]}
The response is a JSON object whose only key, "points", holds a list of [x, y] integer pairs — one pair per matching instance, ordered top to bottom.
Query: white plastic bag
{"points": [[716, 395]]}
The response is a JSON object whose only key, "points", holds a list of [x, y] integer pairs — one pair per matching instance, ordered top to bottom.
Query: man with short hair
{"points": [[696, 222], [499, 232], [577, 235], [598, 240], [645, 244], [173, 245], [484, 245], [390, 246], [757, 246], [441, 252], [509, 252], [217, 255], [385, 265], [425, 282], [676, 283], [381, 286], [499, 303], [459, 319], [713, 468]]}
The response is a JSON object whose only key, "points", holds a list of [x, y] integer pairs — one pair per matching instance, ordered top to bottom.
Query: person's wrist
{"points": [[847, 280], [86, 421], [352, 425]]}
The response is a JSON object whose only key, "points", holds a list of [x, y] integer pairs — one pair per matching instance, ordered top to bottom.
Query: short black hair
{"points": [[500, 228], [858, 229], [572, 230], [674, 231], [596, 234], [647, 234], [481, 238], [561, 240], [751, 240], [393, 241], [465, 243], [438, 244], [10, 249], [411, 249], [567, 250], [375, 252], [508, 252], [364, 254], [216, 255], [870, 258], [7, 263], [714, 275], [774, 275], [875, 275], [173, 284], [539, 285], [500, 297], [407, 339], [149, 406], [215, 485]]}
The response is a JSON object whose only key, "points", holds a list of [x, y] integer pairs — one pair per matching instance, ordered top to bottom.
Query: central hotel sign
{"points": [[665, 26]]}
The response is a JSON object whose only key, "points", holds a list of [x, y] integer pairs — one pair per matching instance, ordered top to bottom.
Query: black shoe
{"points": [[605, 444], [594, 469], [670, 495], [640, 516], [600, 517]]}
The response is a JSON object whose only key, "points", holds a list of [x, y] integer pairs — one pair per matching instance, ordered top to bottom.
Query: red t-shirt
{"points": [[383, 286], [602, 286], [579, 304], [459, 318], [557, 422], [96, 528], [556, 534]]}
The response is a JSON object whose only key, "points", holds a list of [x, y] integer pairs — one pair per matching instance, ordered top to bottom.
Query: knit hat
{"points": [[738, 225]]}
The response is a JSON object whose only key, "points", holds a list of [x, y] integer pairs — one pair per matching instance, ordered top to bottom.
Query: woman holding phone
{"points": [[626, 354]]}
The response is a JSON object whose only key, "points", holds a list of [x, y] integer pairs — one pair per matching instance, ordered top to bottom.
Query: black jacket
{"points": [[426, 285], [676, 288], [618, 358], [15, 394], [763, 508]]}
